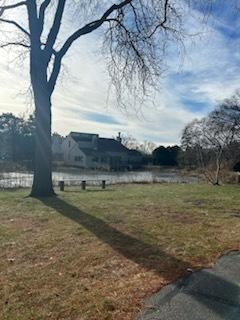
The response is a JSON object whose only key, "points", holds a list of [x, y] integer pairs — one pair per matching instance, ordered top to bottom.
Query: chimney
{"points": [[119, 139]]}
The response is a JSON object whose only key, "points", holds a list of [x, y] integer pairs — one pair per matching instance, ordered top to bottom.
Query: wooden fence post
{"points": [[238, 178], [103, 184], [61, 185], [83, 185]]}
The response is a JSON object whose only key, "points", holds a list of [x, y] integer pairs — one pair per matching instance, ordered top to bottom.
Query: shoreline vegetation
{"points": [[15, 176], [97, 254]]}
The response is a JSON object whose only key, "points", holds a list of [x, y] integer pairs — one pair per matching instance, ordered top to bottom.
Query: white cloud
{"points": [[210, 72]]}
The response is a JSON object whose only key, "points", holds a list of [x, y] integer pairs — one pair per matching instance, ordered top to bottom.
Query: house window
{"points": [[78, 159], [95, 159]]}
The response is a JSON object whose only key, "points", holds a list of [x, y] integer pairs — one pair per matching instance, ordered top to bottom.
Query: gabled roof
{"points": [[81, 136], [101, 145], [110, 145], [88, 151], [134, 153]]}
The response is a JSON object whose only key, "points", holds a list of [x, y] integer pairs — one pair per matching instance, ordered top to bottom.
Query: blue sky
{"points": [[193, 84]]}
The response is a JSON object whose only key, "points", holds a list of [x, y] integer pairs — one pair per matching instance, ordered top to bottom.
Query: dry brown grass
{"points": [[97, 254]]}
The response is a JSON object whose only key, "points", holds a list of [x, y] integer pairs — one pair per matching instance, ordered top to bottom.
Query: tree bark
{"points": [[218, 165], [42, 180]]}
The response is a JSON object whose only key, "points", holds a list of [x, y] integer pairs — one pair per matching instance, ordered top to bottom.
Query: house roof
{"points": [[80, 136], [102, 145], [110, 145], [87, 151], [134, 153]]}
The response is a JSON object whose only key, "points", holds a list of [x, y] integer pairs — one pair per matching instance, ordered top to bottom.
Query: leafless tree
{"points": [[135, 34], [227, 116], [198, 138], [210, 138], [129, 141], [132, 143], [146, 147]]}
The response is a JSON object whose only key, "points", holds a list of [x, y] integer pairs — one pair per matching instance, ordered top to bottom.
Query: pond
{"points": [[19, 179]]}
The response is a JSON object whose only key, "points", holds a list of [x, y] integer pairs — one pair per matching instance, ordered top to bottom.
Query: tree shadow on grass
{"points": [[147, 256]]}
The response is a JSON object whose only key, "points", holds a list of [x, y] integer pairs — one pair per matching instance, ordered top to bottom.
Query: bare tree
{"points": [[135, 34], [227, 116], [198, 138], [210, 138], [129, 141], [132, 143], [146, 147]]}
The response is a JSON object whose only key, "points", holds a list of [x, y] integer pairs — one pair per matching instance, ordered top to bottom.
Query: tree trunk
{"points": [[218, 168], [42, 181], [216, 182]]}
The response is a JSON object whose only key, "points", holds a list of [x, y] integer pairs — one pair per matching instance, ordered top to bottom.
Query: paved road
{"points": [[210, 294]]}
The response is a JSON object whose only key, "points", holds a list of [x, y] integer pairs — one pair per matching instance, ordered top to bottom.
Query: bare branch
{"points": [[11, 6], [42, 12], [14, 23], [161, 24], [88, 28], [82, 31], [52, 36], [21, 44], [55, 72]]}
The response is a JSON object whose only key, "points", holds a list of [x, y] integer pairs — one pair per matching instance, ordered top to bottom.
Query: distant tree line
{"points": [[16, 138], [17, 143], [160, 156], [166, 156]]}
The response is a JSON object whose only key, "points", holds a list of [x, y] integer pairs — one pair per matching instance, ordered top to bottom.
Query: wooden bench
{"points": [[83, 184]]}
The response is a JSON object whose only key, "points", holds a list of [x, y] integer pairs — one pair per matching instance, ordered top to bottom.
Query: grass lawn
{"points": [[88, 255]]}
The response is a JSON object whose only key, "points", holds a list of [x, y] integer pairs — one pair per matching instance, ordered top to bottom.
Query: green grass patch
{"points": [[96, 254]]}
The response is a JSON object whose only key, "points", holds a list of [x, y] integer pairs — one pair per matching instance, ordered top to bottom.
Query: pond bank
{"points": [[21, 179]]}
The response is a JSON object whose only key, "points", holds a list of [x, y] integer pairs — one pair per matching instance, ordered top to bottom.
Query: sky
{"points": [[192, 85]]}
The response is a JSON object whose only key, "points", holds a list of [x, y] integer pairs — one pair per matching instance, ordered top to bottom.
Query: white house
{"points": [[57, 146], [87, 150]]}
